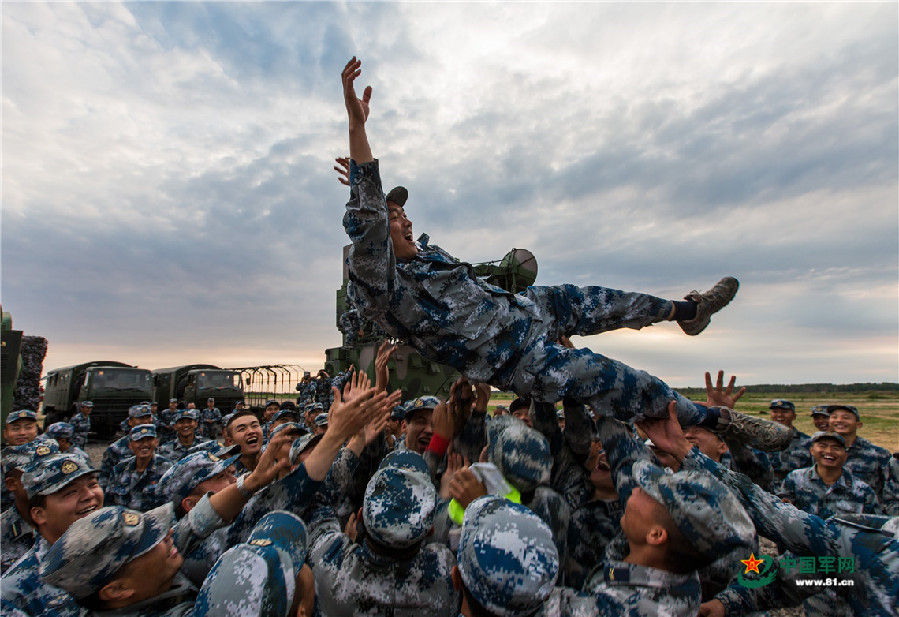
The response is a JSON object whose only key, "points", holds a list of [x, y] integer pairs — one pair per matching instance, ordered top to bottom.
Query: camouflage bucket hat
{"points": [[22, 414], [60, 430], [301, 444], [521, 454], [19, 457], [191, 471], [53, 473], [398, 509], [705, 510], [95, 547], [507, 557], [257, 577]]}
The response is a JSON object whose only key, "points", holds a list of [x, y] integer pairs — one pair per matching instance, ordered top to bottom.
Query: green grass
{"points": [[879, 410]]}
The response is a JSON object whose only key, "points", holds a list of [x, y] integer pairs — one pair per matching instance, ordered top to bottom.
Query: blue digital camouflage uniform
{"points": [[437, 305], [306, 391], [210, 422], [165, 424], [81, 425], [174, 450], [112, 456], [795, 456], [870, 464], [136, 490], [891, 490], [848, 495], [705, 512], [592, 526], [17, 535], [861, 538], [507, 558], [357, 579], [22, 587]]}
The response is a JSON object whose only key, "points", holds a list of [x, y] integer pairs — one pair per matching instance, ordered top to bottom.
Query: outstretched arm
{"points": [[357, 110]]}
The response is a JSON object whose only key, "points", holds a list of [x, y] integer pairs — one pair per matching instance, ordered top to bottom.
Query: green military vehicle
{"points": [[10, 363], [411, 372], [195, 383], [112, 386]]}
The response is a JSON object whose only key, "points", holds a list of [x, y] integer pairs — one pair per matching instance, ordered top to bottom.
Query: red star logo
{"points": [[752, 564]]}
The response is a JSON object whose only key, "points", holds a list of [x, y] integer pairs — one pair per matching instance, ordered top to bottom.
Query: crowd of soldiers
{"points": [[379, 507]]}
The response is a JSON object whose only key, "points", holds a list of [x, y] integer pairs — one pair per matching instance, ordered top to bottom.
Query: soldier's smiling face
{"points": [[404, 246], [186, 427], [20, 432], [246, 432], [829, 453], [62, 508]]}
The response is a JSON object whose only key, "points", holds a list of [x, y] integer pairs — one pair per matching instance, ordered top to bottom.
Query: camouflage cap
{"points": [[398, 195], [173, 400], [271, 402], [87, 403], [422, 403], [780, 403], [316, 407], [849, 408], [820, 410], [138, 411], [286, 413], [398, 413], [22, 414], [186, 414], [234, 415], [321, 419], [292, 427], [60, 430], [141, 431], [828, 435], [301, 444], [520, 453], [19, 457], [405, 459], [191, 471], [53, 473], [399, 505], [704, 510], [95, 547], [507, 557], [257, 577]]}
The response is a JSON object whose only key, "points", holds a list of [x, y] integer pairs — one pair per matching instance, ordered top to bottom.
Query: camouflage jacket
{"points": [[210, 422], [82, 425], [174, 451], [112, 456], [795, 456], [870, 464], [137, 490], [848, 495], [592, 527], [16, 537], [861, 538], [351, 579], [23, 589]]}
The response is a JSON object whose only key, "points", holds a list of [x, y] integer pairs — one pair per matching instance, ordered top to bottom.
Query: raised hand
{"points": [[357, 109], [343, 170], [382, 375], [719, 396]]}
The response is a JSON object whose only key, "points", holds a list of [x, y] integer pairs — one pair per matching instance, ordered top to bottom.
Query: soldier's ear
{"points": [[38, 515], [657, 535], [457, 579], [116, 591]]}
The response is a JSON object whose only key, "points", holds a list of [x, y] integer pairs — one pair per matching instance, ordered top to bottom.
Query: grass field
{"points": [[879, 410]]}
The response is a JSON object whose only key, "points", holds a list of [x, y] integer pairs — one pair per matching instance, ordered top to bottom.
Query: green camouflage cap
{"points": [[53, 473], [187, 474], [705, 510], [96, 547], [507, 557], [257, 577]]}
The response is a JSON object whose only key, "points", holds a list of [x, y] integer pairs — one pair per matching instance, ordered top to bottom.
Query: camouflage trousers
{"points": [[548, 371]]}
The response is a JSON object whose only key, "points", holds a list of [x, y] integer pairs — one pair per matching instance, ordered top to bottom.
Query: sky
{"points": [[168, 194]]}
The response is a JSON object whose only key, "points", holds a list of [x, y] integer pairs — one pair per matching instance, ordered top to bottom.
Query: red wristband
{"points": [[438, 444]]}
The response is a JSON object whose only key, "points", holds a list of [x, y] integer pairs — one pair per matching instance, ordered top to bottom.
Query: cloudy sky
{"points": [[168, 193]]}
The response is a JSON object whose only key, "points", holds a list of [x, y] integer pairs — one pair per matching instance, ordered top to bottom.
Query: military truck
{"points": [[411, 372], [195, 383], [112, 386]]}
